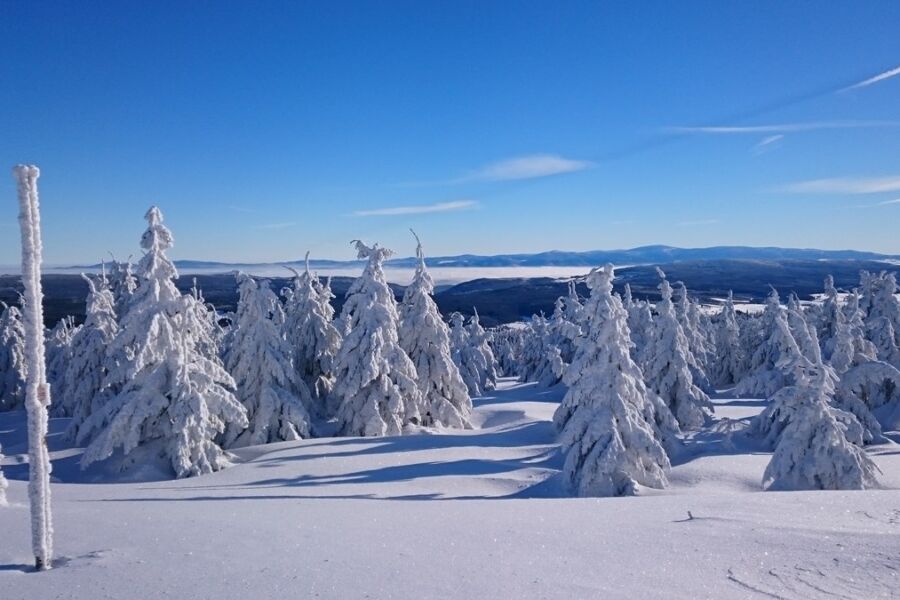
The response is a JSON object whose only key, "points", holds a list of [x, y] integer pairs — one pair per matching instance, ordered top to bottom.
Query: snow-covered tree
{"points": [[123, 284], [882, 314], [826, 317], [640, 324], [802, 330], [313, 338], [425, 338], [478, 339], [507, 343], [699, 343], [58, 345], [848, 346], [775, 354], [467, 358], [12, 359], [259, 359], [541, 360], [729, 361], [667, 369], [84, 378], [375, 381], [871, 391], [168, 402], [607, 420], [818, 446]]}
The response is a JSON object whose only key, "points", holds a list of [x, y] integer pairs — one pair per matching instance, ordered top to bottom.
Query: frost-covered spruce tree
{"points": [[123, 284], [883, 315], [826, 317], [203, 322], [640, 324], [695, 328], [802, 330], [312, 336], [425, 338], [478, 339], [58, 344], [506, 344], [848, 346], [775, 355], [12, 359], [259, 359], [468, 360], [727, 367], [667, 369], [84, 378], [375, 381], [168, 401], [607, 418], [818, 446]]}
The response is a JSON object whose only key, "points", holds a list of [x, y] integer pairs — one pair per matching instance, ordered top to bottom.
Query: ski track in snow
{"points": [[452, 514]]}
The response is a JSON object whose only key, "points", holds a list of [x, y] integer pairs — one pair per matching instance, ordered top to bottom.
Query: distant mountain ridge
{"points": [[657, 254]]}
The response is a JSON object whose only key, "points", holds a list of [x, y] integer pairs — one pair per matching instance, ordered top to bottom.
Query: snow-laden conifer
{"points": [[123, 284], [882, 314], [640, 324], [803, 331], [312, 336], [425, 338], [478, 338], [699, 341], [507, 343], [59, 345], [848, 346], [775, 354], [12, 359], [259, 359], [468, 359], [729, 361], [667, 369], [84, 378], [375, 381], [167, 400], [607, 418], [818, 446]]}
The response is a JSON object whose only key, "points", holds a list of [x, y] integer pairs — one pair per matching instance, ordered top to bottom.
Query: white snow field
{"points": [[453, 514]]}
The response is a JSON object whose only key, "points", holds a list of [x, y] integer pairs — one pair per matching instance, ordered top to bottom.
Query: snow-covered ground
{"points": [[457, 514]]}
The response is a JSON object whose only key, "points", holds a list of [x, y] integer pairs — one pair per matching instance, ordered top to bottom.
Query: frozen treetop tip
{"points": [[374, 253], [601, 278]]}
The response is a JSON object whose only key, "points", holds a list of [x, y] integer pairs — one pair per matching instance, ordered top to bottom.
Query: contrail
{"points": [[872, 80]]}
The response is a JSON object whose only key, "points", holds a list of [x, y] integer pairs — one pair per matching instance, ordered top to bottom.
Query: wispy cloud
{"points": [[873, 80], [781, 128], [765, 144], [523, 167], [528, 167], [844, 185], [888, 202], [419, 209], [699, 223], [283, 225]]}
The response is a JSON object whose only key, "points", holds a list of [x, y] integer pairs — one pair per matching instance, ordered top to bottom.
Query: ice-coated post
{"points": [[37, 391]]}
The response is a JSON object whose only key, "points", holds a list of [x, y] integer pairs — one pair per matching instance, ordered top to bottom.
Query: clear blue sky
{"points": [[263, 129]]}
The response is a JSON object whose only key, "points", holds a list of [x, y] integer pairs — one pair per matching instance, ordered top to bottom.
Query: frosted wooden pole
{"points": [[37, 391]]}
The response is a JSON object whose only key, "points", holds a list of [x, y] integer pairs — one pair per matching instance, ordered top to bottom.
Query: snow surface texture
{"points": [[354, 517]]}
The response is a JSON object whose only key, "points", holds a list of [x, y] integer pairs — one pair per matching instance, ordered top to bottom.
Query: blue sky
{"points": [[266, 129]]}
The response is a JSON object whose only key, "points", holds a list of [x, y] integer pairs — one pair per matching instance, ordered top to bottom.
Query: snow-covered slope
{"points": [[457, 514]]}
